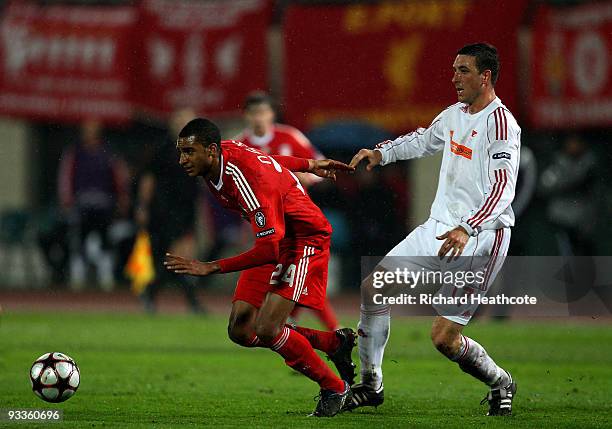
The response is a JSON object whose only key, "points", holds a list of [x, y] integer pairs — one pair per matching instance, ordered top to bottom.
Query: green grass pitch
{"points": [[182, 371]]}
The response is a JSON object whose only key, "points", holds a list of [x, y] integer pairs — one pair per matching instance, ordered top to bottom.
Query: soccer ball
{"points": [[55, 377]]}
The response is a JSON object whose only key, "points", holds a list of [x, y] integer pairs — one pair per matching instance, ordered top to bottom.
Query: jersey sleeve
{"points": [[417, 144], [503, 147], [292, 163], [263, 205]]}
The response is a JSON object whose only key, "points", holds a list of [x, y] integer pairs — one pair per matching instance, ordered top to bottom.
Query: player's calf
{"points": [[373, 330], [338, 345], [473, 359]]}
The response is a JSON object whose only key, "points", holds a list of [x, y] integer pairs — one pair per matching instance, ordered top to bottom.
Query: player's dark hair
{"points": [[486, 58], [256, 98], [205, 131]]}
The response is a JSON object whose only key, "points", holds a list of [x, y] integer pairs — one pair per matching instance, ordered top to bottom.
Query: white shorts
{"points": [[486, 252]]}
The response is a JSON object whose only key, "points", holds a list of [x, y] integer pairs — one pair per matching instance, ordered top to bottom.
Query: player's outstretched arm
{"points": [[374, 158], [325, 168], [193, 267]]}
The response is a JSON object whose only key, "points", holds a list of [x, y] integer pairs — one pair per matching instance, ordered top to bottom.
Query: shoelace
{"points": [[489, 397]]}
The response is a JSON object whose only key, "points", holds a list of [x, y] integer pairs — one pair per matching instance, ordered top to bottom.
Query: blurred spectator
{"points": [[569, 184], [92, 190], [167, 200], [53, 241]]}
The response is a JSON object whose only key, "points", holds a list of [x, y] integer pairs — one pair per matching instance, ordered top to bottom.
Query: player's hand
{"points": [[374, 158], [327, 168], [454, 242], [193, 267]]}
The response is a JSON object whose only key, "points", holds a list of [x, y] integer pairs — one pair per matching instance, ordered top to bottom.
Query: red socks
{"points": [[327, 342], [300, 355]]}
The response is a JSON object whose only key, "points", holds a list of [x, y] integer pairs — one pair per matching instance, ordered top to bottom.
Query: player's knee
{"points": [[240, 327], [266, 332], [239, 334], [444, 341]]}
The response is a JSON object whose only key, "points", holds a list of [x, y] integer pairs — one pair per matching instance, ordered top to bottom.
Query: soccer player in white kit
{"points": [[471, 215]]}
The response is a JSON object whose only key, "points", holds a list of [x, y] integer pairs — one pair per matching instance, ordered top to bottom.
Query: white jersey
{"points": [[479, 166]]}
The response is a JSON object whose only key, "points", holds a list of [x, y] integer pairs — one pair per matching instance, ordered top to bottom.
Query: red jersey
{"points": [[283, 140], [271, 198]]}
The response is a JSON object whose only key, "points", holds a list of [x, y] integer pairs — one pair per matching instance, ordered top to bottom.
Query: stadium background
{"points": [[347, 73]]}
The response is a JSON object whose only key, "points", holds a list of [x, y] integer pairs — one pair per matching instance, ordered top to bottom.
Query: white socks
{"points": [[373, 330], [473, 359]]}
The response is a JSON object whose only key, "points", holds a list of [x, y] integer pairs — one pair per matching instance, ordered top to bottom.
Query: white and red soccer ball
{"points": [[55, 377]]}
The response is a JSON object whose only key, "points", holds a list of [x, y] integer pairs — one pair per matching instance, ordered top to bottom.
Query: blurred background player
{"points": [[265, 134], [92, 191], [167, 201]]}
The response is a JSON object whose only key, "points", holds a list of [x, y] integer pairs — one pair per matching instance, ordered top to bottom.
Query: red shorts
{"points": [[300, 275]]}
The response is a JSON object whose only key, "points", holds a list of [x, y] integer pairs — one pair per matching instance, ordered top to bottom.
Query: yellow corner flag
{"points": [[140, 268]]}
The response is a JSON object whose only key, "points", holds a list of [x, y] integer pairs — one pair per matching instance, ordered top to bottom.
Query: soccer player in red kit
{"points": [[265, 134], [272, 138], [287, 265]]}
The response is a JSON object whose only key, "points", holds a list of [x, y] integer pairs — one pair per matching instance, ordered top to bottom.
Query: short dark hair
{"points": [[486, 58], [256, 98], [205, 131]]}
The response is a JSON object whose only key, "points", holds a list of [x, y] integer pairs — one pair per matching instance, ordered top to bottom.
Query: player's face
{"points": [[468, 83], [260, 118], [196, 159]]}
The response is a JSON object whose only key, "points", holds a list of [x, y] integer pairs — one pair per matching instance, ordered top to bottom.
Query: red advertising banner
{"points": [[205, 55], [66, 62], [390, 63], [571, 76]]}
